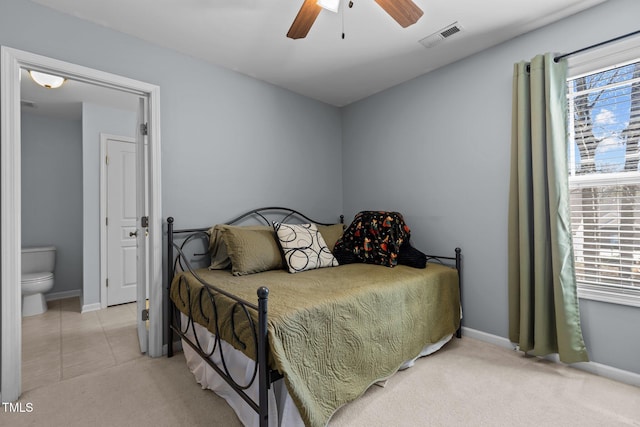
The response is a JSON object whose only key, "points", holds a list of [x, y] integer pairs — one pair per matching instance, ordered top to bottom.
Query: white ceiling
{"points": [[249, 36], [66, 101]]}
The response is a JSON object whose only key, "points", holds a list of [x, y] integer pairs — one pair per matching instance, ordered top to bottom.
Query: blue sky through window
{"points": [[610, 117]]}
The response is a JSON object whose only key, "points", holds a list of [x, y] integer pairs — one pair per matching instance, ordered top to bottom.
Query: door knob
{"points": [[133, 233]]}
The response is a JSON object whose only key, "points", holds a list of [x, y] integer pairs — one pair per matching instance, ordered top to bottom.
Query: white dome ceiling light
{"points": [[48, 81]]}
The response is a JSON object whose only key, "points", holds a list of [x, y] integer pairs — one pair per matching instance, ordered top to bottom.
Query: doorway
{"points": [[12, 61]]}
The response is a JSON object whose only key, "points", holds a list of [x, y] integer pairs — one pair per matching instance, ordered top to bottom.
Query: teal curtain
{"points": [[544, 316]]}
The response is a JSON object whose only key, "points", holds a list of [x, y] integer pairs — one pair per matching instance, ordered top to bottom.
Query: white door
{"points": [[122, 265]]}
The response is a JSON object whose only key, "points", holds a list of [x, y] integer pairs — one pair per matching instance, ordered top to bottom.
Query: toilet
{"points": [[37, 278]]}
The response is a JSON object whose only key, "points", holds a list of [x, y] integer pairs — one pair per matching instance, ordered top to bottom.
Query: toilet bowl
{"points": [[37, 278]]}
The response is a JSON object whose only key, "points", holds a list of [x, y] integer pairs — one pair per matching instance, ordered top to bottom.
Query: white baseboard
{"points": [[62, 295], [90, 307], [596, 368], [610, 372]]}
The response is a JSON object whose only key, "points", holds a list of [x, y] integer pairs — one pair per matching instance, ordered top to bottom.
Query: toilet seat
{"points": [[36, 277]]}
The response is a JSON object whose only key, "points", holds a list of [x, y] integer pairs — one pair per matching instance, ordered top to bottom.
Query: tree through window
{"points": [[604, 180]]}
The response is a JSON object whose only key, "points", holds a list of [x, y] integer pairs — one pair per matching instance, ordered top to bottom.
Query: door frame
{"points": [[11, 61], [104, 137]]}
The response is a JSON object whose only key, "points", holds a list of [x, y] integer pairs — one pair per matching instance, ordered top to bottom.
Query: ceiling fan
{"points": [[405, 12]]}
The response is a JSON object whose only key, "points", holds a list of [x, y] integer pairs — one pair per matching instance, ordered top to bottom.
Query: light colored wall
{"points": [[96, 119], [228, 140], [437, 148], [52, 194]]}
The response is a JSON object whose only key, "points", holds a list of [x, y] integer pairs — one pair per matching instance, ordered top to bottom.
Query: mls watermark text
{"points": [[17, 407]]}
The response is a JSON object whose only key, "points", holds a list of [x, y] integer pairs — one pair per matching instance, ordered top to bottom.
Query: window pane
{"points": [[605, 121], [604, 127], [605, 223]]}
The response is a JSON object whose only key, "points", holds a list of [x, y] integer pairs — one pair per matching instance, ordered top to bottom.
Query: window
{"points": [[604, 178]]}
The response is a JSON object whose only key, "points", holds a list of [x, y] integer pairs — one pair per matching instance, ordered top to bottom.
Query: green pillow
{"points": [[331, 234], [217, 249], [251, 249]]}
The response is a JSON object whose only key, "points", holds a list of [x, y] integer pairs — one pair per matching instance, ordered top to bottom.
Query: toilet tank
{"points": [[38, 259]]}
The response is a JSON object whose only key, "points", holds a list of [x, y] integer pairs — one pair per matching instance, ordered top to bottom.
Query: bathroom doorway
{"points": [[12, 63], [64, 126]]}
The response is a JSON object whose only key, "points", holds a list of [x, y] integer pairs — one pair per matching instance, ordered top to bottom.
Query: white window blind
{"points": [[604, 182]]}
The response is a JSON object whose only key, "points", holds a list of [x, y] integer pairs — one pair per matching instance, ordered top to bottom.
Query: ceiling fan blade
{"points": [[405, 12], [304, 19]]}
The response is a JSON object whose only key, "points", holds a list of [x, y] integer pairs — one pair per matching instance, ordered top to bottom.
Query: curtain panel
{"points": [[544, 316]]}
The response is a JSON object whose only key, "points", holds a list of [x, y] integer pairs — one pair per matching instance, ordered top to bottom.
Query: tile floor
{"points": [[64, 343]]}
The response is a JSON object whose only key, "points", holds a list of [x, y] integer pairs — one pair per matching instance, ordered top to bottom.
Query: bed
{"points": [[290, 349]]}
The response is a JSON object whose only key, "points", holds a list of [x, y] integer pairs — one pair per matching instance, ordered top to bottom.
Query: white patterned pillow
{"points": [[303, 247]]}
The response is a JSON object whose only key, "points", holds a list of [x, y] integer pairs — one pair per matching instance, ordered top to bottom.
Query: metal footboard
{"points": [[178, 262], [208, 293]]}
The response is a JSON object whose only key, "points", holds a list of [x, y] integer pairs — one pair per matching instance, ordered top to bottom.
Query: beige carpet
{"points": [[468, 383], [472, 383]]}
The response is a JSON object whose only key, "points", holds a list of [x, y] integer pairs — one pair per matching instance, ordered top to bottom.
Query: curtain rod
{"points": [[558, 58]]}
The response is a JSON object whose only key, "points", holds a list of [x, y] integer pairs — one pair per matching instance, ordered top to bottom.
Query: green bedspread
{"points": [[333, 332]]}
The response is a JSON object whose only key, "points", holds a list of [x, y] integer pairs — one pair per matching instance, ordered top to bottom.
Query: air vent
{"points": [[439, 36]]}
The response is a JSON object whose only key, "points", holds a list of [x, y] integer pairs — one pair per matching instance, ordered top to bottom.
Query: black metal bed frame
{"points": [[265, 376]]}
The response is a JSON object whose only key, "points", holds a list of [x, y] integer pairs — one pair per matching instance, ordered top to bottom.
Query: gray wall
{"points": [[96, 119], [229, 142], [441, 144], [52, 193]]}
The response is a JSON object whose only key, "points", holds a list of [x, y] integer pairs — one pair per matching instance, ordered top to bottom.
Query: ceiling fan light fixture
{"points": [[331, 5], [48, 81]]}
